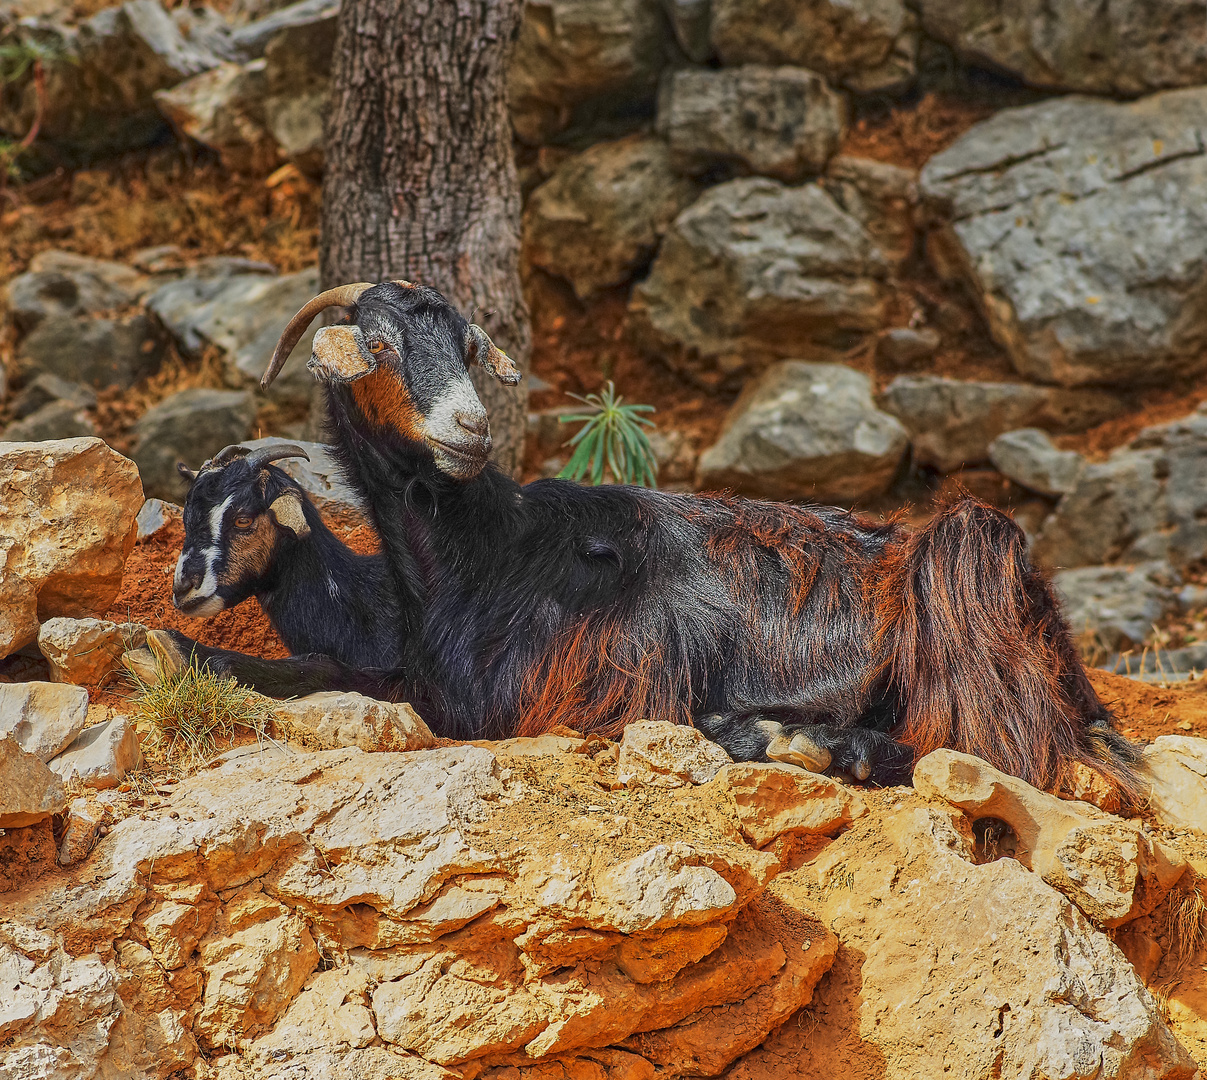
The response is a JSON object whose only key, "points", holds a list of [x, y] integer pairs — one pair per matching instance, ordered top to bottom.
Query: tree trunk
{"points": [[420, 181]]}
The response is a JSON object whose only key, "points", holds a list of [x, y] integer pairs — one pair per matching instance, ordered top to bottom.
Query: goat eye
{"points": [[376, 345], [244, 522]]}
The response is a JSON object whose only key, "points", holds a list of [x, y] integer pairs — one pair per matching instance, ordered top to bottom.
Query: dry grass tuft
{"points": [[191, 713]]}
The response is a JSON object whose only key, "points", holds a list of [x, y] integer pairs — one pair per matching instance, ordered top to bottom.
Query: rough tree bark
{"points": [[420, 181]]}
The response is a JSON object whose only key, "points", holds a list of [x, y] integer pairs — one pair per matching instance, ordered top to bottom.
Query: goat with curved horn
{"points": [[341, 296], [257, 459]]}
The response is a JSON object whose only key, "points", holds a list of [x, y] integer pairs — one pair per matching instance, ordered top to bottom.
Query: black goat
{"points": [[249, 529], [799, 634]]}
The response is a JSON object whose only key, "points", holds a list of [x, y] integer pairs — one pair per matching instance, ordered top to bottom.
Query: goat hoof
{"points": [[166, 652], [141, 664], [799, 750]]}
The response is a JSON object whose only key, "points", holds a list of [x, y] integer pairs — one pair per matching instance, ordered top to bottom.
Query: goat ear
{"points": [[480, 349], [337, 355], [187, 473], [288, 513]]}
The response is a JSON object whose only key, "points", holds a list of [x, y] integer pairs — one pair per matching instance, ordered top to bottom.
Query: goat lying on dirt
{"points": [[250, 529], [798, 634]]}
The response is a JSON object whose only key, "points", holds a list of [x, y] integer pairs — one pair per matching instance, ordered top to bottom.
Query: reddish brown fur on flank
{"points": [[977, 654]]}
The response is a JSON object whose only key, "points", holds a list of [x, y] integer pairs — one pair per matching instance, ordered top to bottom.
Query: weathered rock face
{"points": [[839, 39], [1115, 48], [569, 51], [100, 78], [783, 122], [883, 198], [600, 216], [1080, 225], [753, 272], [61, 284], [241, 308], [102, 352], [48, 389], [58, 420], [951, 422], [189, 426], [806, 430], [1029, 458], [1147, 501], [66, 527], [1117, 606], [84, 651], [42, 718], [328, 721], [663, 754], [101, 755], [1175, 767], [29, 791], [769, 800], [1111, 869], [467, 920], [963, 970]]}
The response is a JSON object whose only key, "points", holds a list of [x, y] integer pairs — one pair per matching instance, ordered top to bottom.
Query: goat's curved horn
{"points": [[342, 296], [225, 456], [257, 459]]}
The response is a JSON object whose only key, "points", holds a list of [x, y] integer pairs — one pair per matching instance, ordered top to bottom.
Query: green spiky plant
{"points": [[613, 441]]}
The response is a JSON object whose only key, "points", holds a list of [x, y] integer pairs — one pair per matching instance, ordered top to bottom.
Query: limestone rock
{"points": [[275, 18], [837, 38], [1119, 48], [570, 51], [100, 77], [783, 122], [883, 198], [601, 214], [1080, 225], [754, 272], [62, 284], [242, 310], [903, 346], [101, 352], [47, 389], [57, 420], [952, 422], [190, 426], [806, 430], [1029, 458], [320, 478], [1147, 501], [155, 515], [66, 527], [1117, 606], [85, 651], [42, 717], [327, 721], [540, 746], [662, 754], [101, 755], [1175, 768], [29, 791], [769, 800], [79, 831], [1110, 868], [950, 968]]}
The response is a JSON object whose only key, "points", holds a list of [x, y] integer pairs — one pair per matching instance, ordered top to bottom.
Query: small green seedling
{"points": [[612, 442]]}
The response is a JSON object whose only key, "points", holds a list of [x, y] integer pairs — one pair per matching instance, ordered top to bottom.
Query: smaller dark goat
{"points": [[249, 529]]}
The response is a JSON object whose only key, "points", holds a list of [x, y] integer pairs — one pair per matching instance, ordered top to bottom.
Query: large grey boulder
{"points": [[867, 43], [1117, 47], [570, 51], [101, 75], [270, 108], [784, 122], [882, 197], [601, 214], [1082, 226], [754, 272], [61, 284], [242, 309], [101, 352], [45, 389], [55, 420], [952, 422], [188, 426], [806, 430], [1028, 457], [1148, 500], [1117, 606], [43, 718]]}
